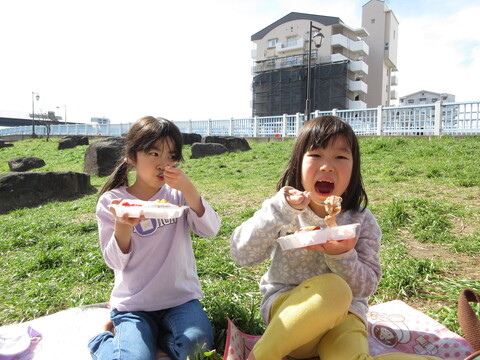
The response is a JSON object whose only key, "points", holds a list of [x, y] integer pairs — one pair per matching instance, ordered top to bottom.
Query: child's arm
{"points": [[177, 179], [123, 228], [253, 241], [116, 253], [360, 267]]}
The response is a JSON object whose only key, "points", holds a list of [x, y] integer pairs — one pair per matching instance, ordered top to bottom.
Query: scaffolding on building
{"points": [[282, 90]]}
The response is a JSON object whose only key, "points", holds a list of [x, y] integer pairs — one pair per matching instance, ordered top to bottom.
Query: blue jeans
{"points": [[180, 332]]}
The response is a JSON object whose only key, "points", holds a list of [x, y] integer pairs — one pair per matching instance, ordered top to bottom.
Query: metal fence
{"points": [[462, 118]]}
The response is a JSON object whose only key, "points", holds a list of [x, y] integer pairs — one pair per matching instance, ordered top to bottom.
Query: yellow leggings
{"points": [[312, 320]]}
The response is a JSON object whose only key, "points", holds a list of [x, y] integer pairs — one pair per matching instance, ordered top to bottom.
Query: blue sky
{"points": [[192, 59]]}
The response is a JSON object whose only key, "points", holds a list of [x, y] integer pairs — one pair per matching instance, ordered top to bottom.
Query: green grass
{"points": [[423, 191]]}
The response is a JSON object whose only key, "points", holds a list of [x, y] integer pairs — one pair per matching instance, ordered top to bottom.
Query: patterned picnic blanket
{"points": [[392, 326]]}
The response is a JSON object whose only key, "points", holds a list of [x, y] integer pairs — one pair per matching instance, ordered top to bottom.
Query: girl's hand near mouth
{"points": [[176, 177], [297, 199]]}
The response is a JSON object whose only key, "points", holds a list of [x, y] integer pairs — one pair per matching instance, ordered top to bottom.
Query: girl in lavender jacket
{"points": [[155, 298]]}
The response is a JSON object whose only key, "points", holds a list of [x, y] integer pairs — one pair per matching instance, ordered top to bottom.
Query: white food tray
{"points": [[150, 209], [314, 237]]}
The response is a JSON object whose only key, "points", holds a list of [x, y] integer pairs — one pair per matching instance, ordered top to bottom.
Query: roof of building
{"points": [[385, 4], [325, 20], [425, 92]]}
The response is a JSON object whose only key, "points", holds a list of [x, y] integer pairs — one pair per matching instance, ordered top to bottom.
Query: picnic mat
{"points": [[392, 327], [65, 335]]}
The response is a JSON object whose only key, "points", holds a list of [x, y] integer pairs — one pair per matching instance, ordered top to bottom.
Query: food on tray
{"points": [[154, 204], [333, 206], [158, 209], [308, 228], [314, 236]]}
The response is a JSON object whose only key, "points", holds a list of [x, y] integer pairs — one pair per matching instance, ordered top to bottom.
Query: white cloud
{"points": [[440, 54]]}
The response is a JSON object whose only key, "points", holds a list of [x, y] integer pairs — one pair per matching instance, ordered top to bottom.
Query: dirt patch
{"points": [[458, 266], [463, 266]]}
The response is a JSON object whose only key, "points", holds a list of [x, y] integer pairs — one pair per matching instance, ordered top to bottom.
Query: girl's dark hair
{"points": [[317, 133], [142, 136]]}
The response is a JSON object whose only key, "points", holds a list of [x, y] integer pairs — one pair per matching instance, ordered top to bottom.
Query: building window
{"points": [[372, 21], [291, 41], [272, 42], [434, 99], [422, 100], [411, 101]]}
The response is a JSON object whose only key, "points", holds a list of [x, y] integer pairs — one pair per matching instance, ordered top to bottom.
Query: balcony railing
{"points": [[359, 46], [357, 86]]}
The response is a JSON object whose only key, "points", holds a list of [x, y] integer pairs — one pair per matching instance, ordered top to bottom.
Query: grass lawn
{"points": [[424, 191]]}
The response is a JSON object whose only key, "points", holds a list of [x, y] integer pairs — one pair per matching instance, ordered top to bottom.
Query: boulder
{"points": [[191, 138], [71, 141], [66, 143], [232, 143], [4, 144], [200, 150], [101, 157], [25, 163], [29, 189]]}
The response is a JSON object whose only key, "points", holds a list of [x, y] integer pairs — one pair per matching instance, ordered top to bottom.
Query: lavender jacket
{"points": [[159, 272]]}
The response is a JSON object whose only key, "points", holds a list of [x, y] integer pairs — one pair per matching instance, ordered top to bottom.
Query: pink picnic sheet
{"points": [[392, 326]]}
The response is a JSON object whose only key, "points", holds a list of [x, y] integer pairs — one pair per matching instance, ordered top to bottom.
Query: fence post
{"points": [[334, 112], [317, 113], [438, 118], [379, 120], [297, 123], [189, 125], [255, 126], [209, 127], [230, 130], [284, 132]]}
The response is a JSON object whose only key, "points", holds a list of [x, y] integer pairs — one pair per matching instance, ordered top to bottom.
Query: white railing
{"points": [[461, 118]]}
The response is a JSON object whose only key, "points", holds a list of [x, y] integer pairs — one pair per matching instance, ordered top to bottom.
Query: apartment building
{"points": [[382, 26], [339, 72], [424, 97], [100, 120]]}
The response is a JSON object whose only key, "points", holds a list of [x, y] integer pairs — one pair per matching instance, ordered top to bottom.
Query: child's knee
{"points": [[328, 280], [331, 284]]}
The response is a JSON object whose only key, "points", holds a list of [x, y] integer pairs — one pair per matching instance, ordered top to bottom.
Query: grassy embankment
{"points": [[424, 192]]}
